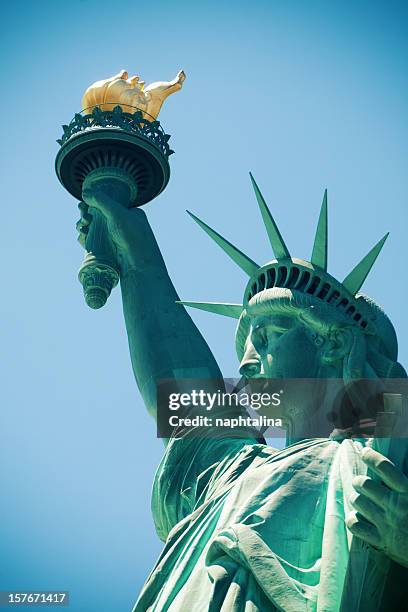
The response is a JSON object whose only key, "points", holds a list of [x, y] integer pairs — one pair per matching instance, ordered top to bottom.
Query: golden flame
{"points": [[130, 94]]}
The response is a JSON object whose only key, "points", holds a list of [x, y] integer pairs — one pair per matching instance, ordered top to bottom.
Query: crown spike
{"points": [[278, 246], [319, 253], [244, 262], [357, 276], [227, 310]]}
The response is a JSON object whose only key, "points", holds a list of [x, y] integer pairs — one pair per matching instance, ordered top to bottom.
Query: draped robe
{"points": [[248, 528]]}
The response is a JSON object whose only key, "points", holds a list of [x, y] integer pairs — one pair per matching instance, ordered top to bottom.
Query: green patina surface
{"points": [[246, 527]]}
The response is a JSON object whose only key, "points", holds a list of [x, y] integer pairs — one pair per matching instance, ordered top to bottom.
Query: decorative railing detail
{"points": [[132, 123]]}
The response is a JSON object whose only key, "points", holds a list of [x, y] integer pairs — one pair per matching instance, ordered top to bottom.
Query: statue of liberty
{"points": [[249, 528]]}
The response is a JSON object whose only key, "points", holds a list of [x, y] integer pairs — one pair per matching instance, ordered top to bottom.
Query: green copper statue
{"points": [[248, 528]]}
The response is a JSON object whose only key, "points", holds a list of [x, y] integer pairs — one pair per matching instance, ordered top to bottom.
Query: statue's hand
{"points": [[83, 223], [125, 226], [381, 517]]}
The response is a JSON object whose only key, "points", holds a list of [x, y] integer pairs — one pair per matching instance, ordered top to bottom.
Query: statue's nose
{"points": [[251, 364]]}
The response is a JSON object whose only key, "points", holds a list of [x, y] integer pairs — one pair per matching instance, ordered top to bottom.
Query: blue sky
{"points": [[307, 95]]}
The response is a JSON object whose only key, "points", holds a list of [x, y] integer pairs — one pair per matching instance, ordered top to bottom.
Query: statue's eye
{"points": [[259, 339]]}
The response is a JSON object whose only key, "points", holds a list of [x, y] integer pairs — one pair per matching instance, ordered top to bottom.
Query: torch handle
{"points": [[99, 272]]}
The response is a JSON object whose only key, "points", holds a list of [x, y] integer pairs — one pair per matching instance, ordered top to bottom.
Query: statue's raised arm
{"points": [[115, 157], [163, 340]]}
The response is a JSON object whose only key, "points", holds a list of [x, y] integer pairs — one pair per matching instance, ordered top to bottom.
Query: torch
{"points": [[116, 140]]}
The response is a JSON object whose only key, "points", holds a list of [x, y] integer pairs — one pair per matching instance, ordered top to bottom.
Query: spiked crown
{"points": [[286, 272]]}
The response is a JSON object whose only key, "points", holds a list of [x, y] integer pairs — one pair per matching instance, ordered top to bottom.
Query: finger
{"points": [[101, 201], [83, 208], [86, 216], [86, 219], [84, 222], [81, 227], [82, 240], [385, 469], [372, 489], [368, 509], [364, 530]]}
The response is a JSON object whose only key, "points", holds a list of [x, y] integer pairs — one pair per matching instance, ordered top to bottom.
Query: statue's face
{"points": [[281, 347]]}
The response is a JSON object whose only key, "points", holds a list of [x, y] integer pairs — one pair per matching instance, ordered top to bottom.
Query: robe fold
{"points": [[248, 528]]}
